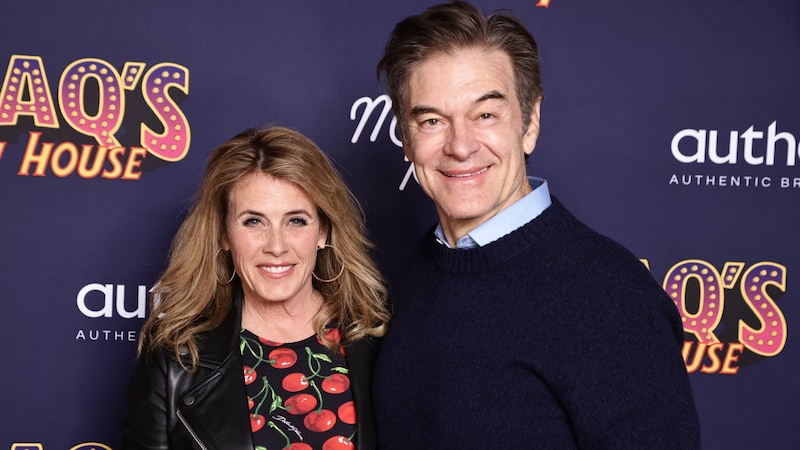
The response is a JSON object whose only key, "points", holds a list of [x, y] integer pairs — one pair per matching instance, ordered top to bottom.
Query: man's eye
{"points": [[487, 115], [429, 123]]}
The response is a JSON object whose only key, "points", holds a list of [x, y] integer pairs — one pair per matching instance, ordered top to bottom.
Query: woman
{"points": [[264, 325]]}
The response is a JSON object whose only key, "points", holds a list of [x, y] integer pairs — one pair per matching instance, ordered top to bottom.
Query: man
{"points": [[517, 326]]}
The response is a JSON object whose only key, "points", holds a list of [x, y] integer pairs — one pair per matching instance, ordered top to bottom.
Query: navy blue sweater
{"points": [[551, 337]]}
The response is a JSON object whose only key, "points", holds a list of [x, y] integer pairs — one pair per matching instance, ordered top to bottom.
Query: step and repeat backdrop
{"points": [[671, 126]]}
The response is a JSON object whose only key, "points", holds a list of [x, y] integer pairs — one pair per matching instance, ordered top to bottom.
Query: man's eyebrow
{"points": [[491, 95], [422, 109]]}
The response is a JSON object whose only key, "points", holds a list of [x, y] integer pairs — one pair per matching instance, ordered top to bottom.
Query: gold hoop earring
{"points": [[336, 255], [216, 272]]}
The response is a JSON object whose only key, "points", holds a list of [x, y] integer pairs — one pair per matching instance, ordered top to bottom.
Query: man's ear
{"points": [[532, 134], [407, 153]]}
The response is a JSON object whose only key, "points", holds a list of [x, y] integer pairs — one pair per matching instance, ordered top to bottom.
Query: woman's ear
{"points": [[323, 239], [224, 243]]}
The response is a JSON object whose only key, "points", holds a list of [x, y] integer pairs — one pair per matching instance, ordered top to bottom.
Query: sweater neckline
{"points": [[494, 255]]}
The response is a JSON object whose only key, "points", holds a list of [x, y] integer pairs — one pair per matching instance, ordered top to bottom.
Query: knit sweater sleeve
{"points": [[616, 362], [628, 386]]}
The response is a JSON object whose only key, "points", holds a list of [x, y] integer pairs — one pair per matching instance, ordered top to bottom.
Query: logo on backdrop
{"points": [[376, 111], [109, 123], [767, 155], [101, 302], [730, 316], [38, 446]]}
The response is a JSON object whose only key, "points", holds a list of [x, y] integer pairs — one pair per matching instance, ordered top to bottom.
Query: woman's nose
{"points": [[275, 241]]}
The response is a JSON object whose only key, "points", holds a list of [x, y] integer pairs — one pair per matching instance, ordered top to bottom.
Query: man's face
{"points": [[465, 138]]}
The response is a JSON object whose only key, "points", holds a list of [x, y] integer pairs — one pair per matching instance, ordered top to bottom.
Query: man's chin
{"points": [[462, 215]]}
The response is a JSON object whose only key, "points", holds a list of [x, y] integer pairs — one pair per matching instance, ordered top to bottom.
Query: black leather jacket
{"points": [[173, 409]]}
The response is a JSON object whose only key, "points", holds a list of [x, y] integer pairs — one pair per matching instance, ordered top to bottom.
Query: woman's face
{"points": [[273, 232]]}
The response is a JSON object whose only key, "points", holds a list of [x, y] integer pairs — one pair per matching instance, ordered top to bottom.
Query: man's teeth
{"points": [[464, 175]]}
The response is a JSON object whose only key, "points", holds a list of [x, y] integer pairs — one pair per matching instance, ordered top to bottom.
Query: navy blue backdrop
{"points": [[671, 126]]}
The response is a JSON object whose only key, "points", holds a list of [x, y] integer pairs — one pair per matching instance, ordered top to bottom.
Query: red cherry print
{"points": [[333, 335], [270, 343], [283, 358], [250, 375], [294, 382], [336, 384], [250, 403], [300, 404], [347, 413], [257, 421], [320, 421], [337, 443], [298, 446]]}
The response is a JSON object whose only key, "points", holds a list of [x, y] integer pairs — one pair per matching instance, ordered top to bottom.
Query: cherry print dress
{"points": [[298, 393]]}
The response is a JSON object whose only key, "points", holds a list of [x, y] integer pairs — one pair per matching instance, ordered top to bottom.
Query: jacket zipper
{"points": [[191, 431]]}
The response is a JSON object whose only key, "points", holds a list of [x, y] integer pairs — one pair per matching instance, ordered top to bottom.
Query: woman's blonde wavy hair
{"points": [[192, 295]]}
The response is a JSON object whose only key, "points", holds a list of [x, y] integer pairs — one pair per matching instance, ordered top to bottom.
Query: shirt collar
{"points": [[518, 214]]}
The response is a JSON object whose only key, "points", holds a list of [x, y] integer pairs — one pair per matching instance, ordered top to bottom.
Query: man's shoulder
{"points": [[568, 230], [585, 254]]}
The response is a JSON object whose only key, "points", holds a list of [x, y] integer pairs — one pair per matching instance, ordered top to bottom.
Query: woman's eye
{"points": [[487, 115], [298, 221], [251, 222]]}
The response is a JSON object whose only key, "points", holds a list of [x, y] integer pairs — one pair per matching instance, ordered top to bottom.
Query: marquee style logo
{"points": [[93, 100], [749, 148], [731, 314], [84, 446]]}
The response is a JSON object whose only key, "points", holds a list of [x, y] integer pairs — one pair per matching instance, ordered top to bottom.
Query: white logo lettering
{"points": [[369, 107], [693, 146], [110, 301]]}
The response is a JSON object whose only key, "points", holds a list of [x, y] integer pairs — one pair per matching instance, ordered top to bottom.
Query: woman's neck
{"points": [[282, 321]]}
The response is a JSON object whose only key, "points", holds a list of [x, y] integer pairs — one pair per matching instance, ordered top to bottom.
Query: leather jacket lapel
{"points": [[360, 358], [213, 408]]}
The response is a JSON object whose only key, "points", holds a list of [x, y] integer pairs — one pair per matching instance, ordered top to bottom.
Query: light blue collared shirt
{"points": [[518, 214]]}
